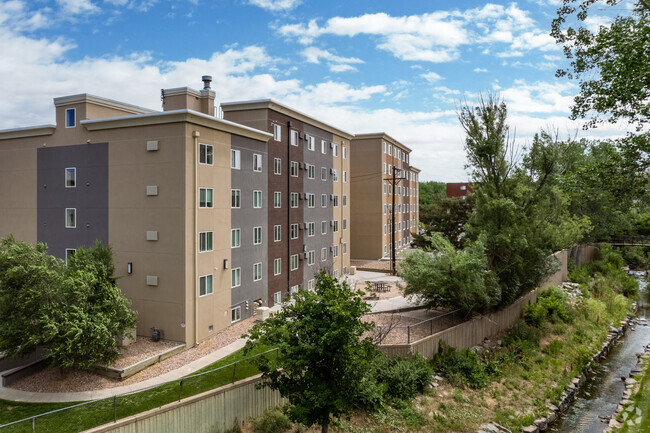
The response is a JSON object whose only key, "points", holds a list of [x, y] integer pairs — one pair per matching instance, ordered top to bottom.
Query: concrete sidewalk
{"points": [[186, 370]]}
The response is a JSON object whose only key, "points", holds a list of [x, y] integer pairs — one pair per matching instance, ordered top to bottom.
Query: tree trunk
{"points": [[325, 427]]}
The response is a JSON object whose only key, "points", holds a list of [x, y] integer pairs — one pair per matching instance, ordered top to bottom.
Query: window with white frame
{"points": [[70, 117], [277, 132], [294, 137], [311, 142], [323, 146], [384, 146], [335, 150], [390, 150], [344, 151], [206, 154], [235, 159], [257, 162], [277, 166], [384, 167], [293, 169], [311, 171], [323, 173], [335, 175], [345, 176], [70, 177], [385, 188], [463, 188], [206, 197], [235, 198], [257, 199], [277, 199], [294, 199], [311, 199], [323, 200], [335, 200], [345, 200], [385, 208], [70, 218], [345, 223], [335, 226], [323, 227], [311, 229], [385, 229], [294, 231], [277, 233], [257, 235], [235, 238], [205, 241], [345, 248], [335, 250], [69, 252], [323, 254], [311, 258], [294, 262], [277, 266], [257, 271], [336, 273], [235, 277], [205, 285], [310, 285], [277, 298], [235, 314]]}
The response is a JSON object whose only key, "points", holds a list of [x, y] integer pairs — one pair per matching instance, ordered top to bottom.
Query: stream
{"points": [[603, 390]]}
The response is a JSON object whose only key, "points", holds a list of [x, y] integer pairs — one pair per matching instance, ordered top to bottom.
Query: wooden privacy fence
{"points": [[467, 334]]}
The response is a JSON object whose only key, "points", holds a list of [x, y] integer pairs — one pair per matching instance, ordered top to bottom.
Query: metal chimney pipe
{"points": [[207, 79]]}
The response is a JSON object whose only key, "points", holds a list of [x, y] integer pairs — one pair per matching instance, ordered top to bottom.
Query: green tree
{"points": [[430, 192], [448, 216], [451, 277], [74, 311], [322, 357]]}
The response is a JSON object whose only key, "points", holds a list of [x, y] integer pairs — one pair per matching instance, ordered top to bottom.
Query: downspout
{"points": [[196, 135], [289, 207]]}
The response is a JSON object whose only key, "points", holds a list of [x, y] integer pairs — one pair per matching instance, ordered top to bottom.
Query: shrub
{"points": [[635, 257], [535, 314], [523, 336], [554, 348], [463, 368], [404, 378], [273, 421]]}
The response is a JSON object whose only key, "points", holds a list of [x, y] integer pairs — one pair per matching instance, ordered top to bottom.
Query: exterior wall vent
{"points": [[152, 145], [152, 189], [152, 235], [152, 280]]}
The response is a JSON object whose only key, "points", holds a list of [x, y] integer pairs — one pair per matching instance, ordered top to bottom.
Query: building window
{"points": [[70, 117], [277, 132], [294, 137], [311, 143], [323, 146], [384, 146], [335, 150], [344, 150], [390, 150], [205, 154], [235, 159], [257, 162], [277, 166], [384, 167], [293, 169], [311, 171], [323, 173], [335, 175], [345, 176], [70, 177], [384, 188], [463, 188], [205, 197], [235, 198], [257, 199], [277, 199], [294, 199], [335, 199], [311, 200], [323, 200], [345, 200], [385, 207], [70, 218], [345, 224], [335, 226], [323, 227], [311, 229], [385, 229], [294, 231], [277, 233], [257, 235], [235, 238], [205, 241], [345, 248], [335, 250], [69, 252], [323, 254], [311, 258], [294, 262], [277, 266], [257, 271], [336, 273], [235, 278], [205, 285], [310, 285], [277, 298], [235, 314]]}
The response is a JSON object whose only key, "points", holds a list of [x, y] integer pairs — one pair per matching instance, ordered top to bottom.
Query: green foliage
{"points": [[430, 192], [446, 216], [636, 257], [606, 274], [450, 277], [74, 311], [523, 337], [554, 347], [321, 358], [464, 367], [404, 378], [273, 421], [236, 428]]}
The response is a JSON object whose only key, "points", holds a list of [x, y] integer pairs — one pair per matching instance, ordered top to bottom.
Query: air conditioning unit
{"points": [[290, 123], [301, 134], [307, 137], [331, 145], [301, 165], [331, 171], [300, 195], [331, 196], [331, 223], [306, 225], [304, 247], [331, 248], [305, 255]]}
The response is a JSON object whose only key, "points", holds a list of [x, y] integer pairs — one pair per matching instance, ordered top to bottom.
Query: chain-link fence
{"points": [[89, 414]]}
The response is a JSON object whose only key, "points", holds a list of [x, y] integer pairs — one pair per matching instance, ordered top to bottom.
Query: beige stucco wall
{"points": [[341, 212]]}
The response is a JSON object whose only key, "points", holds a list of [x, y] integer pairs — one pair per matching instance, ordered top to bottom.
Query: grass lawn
{"points": [[640, 406], [101, 412]]}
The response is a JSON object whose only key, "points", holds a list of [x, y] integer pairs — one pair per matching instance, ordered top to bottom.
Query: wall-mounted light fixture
{"points": [[225, 263], [129, 268]]}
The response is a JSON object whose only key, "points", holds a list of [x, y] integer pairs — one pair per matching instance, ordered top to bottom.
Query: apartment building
{"points": [[374, 159], [308, 182], [156, 187], [459, 189]]}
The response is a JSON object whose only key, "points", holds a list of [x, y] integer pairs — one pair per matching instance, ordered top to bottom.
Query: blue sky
{"points": [[365, 66]]}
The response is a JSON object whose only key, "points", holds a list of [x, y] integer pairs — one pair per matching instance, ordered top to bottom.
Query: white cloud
{"points": [[275, 5], [76, 7], [336, 63], [480, 70], [432, 77]]}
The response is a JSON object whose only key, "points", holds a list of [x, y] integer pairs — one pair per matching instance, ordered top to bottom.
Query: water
{"points": [[603, 390]]}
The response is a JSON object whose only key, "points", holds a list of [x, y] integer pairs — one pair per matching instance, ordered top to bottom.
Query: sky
{"points": [[401, 67]]}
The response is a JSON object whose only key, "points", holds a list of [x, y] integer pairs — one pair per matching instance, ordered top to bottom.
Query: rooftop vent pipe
{"points": [[207, 79]]}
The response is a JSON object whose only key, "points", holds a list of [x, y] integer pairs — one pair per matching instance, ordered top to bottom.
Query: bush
{"points": [[635, 257], [552, 305], [535, 315], [523, 336], [463, 368], [404, 378], [273, 421]]}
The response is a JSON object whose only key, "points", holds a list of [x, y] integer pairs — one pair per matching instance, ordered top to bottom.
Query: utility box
{"points": [[353, 270], [262, 314]]}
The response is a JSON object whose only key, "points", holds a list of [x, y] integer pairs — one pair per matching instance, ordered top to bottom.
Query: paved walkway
{"points": [[381, 305]]}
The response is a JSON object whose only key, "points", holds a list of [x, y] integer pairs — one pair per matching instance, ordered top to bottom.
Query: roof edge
{"points": [[29, 131]]}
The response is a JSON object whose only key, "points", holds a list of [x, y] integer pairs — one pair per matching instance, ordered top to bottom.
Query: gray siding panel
{"points": [[89, 197]]}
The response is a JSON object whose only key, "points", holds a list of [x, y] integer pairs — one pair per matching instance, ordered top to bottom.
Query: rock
{"points": [[553, 408], [551, 417], [541, 423], [489, 428], [531, 429]]}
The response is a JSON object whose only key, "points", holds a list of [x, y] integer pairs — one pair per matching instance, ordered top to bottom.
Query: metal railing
{"points": [[642, 241], [430, 326], [107, 409]]}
